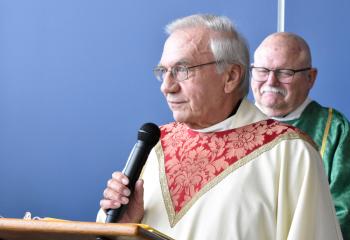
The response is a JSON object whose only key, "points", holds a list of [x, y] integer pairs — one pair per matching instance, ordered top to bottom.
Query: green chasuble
{"points": [[331, 132]]}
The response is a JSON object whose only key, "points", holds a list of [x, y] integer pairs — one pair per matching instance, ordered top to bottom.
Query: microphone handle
{"points": [[132, 170]]}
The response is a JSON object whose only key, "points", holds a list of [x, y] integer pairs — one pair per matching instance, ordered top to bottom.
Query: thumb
{"points": [[138, 192], [135, 209]]}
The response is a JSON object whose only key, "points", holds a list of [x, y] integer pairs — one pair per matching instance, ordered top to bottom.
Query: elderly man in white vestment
{"points": [[223, 170]]}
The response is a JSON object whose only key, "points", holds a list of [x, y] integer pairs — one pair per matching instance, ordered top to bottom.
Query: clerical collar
{"points": [[292, 115], [221, 126]]}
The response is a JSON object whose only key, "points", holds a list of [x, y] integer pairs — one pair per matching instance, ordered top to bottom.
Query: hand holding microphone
{"points": [[117, 194], [122, 203]]}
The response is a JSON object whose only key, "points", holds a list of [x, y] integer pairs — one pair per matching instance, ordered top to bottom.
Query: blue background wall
{"points": [[76, 84]]}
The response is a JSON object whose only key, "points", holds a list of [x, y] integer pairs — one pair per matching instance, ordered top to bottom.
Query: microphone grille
{"points": [[149, 133]]}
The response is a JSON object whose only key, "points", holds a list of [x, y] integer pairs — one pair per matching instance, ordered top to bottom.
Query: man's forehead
{"points": [[187, 43], [280, 44], [280, 53]]}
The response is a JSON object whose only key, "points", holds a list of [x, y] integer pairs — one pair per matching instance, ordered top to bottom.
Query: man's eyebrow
{"points": [[183, 62]]}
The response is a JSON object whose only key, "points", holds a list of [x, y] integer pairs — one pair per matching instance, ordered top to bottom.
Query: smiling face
{"points": [[282, 51], [205, 98]]}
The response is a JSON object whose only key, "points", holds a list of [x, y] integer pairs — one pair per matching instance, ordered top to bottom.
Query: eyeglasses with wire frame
{"points": [[178, 72], [261, 74]]}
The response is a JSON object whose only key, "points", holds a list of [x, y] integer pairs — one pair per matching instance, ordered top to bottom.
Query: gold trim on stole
{"points": [[326, 131], [175, 218]]}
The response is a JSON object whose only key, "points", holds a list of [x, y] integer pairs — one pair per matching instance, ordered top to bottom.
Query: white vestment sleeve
{"points": [[305, 209], [101, 216]]}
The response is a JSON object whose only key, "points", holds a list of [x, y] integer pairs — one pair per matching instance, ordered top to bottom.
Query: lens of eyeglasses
{"points": [[159, 72], [180, 73], [262, 74], [284, 74]]}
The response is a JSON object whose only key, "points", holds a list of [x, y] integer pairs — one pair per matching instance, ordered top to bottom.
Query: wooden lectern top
{"points": [[19, 229]]}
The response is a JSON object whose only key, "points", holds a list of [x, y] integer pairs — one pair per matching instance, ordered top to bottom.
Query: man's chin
{"points": [[271, 104], [273, 111], [178, 117], [181, 117]]}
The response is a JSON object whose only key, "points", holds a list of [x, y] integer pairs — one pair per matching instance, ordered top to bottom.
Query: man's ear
{"points": [[233, 77], [312, 77]]}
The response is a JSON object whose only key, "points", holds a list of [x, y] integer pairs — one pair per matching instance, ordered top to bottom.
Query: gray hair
{"points": [[228, 48]]}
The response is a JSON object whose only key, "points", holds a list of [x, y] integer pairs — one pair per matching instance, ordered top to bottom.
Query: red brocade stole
{"points": [[193, 159]]}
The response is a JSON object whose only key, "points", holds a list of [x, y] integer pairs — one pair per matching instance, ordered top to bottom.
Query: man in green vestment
{"points": [[282, 76]]}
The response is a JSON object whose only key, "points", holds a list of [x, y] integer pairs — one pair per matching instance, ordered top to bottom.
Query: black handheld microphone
{"points": [[147, 137]]}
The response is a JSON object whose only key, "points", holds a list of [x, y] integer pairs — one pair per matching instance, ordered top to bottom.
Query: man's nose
{"points": [[271, 78], [169, 83]]}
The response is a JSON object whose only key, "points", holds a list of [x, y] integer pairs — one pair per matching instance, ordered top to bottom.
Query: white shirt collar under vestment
{"points": [[246, 114]]}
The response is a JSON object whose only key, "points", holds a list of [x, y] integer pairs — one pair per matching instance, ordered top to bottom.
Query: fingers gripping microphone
{"points": [[148, 136]]}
